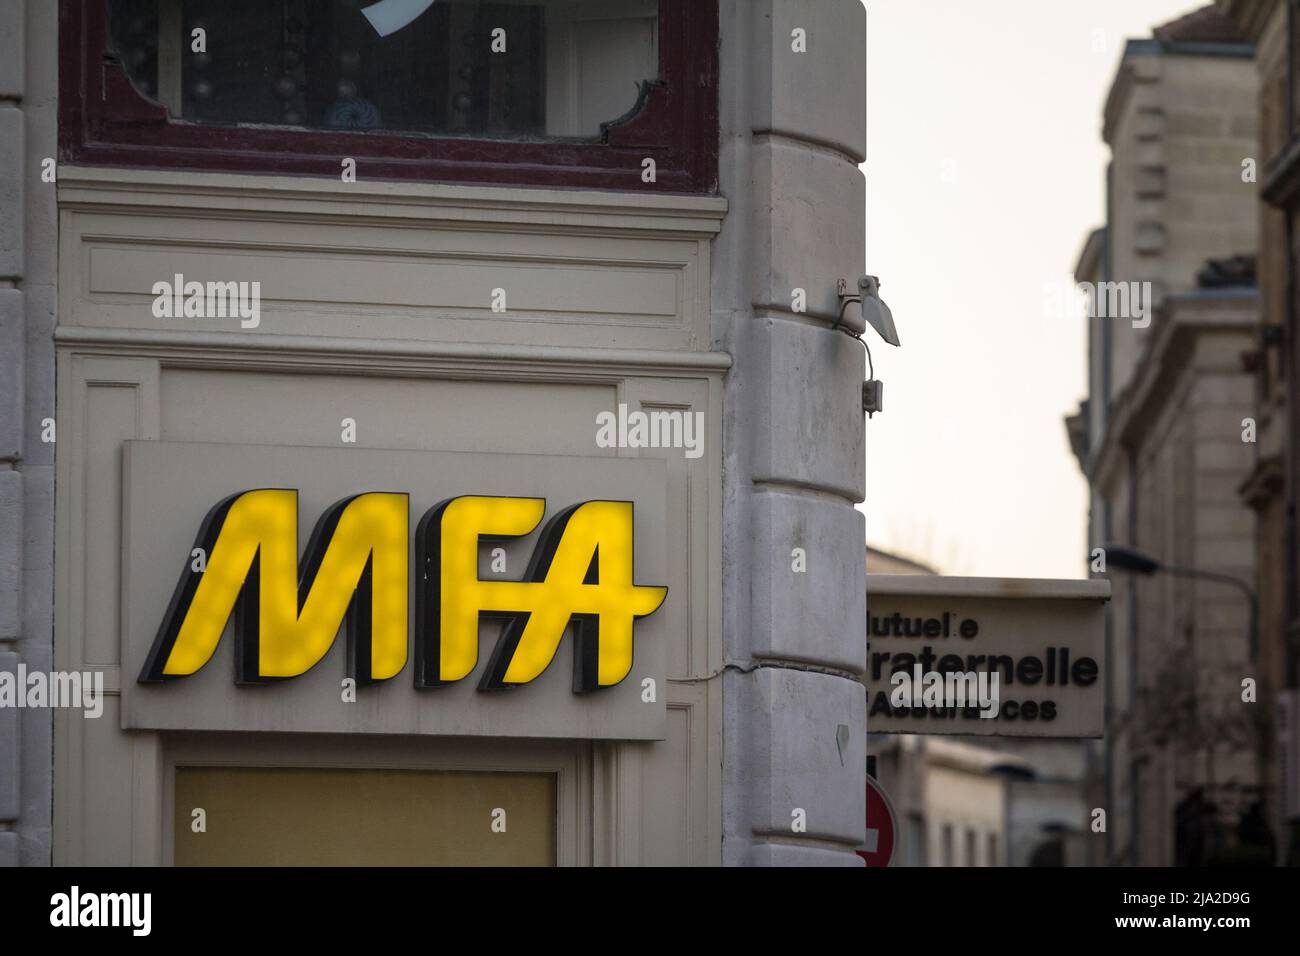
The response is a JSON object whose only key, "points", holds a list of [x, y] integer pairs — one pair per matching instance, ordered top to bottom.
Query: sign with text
{"points": [[436, 592], [993, 656], [877, 847]]}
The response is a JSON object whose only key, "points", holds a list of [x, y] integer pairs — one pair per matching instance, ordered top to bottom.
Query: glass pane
{"points": [[1293, 59], [517, 69], [292, 816]]}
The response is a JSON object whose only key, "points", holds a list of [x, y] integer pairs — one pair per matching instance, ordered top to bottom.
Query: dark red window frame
{"points": [[104, 121]]}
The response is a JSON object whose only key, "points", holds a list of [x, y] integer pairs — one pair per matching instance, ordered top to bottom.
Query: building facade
{"points": [[408, 279], [1172, 308], [1271, 486], [950, 799]]}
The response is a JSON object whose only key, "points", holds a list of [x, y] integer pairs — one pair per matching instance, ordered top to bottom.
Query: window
{"points": [[513, 70], [536, 92], [915, 844], [970, 848], [946, 850], [993, 859]]}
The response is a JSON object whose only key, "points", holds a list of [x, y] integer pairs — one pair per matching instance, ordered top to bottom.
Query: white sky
{"points": [[984, 171]]}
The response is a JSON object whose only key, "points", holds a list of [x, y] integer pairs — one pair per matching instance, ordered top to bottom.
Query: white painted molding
{"points": [[384, 262], [251, 348]]}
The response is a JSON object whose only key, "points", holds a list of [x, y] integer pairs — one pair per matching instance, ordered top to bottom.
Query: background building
{"points": [[1160, 438], [1270, 489], [950, 798]]}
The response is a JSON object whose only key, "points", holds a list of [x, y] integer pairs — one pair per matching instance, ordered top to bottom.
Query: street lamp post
{"points": [[1119, 557], [1131, 559]]}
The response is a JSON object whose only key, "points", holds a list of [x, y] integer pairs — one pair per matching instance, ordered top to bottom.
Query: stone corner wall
{"points": [[793, 133], [28, 235]]}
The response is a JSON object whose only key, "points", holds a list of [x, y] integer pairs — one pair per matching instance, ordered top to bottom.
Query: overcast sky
{"points": [[984, 175]]}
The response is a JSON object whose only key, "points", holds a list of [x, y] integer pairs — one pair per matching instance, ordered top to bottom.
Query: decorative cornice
{"points": [[1251, 16], [261, 197], [1181, 321], [245, 349], [1265, 482]]}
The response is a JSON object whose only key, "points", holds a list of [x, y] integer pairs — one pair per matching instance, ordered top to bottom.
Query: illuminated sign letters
{"points": [[355, 572]]}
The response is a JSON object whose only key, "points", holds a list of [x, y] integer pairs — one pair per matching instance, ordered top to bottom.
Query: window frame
{"points": [[103, 120]]}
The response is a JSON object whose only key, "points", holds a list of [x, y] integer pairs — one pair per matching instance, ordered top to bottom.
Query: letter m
{"points": [[1113, 300], [287, 615]]}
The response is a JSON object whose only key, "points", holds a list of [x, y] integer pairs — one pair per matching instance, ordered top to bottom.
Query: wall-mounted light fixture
{"points": [[877, 315]]}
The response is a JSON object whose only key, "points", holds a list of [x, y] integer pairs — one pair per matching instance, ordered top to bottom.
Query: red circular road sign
{"points": [[878, 848]]}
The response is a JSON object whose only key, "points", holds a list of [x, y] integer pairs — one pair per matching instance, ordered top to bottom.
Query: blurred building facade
{"points": [[1161, 441], [1271, 488], [949, 800], [985, 801]]}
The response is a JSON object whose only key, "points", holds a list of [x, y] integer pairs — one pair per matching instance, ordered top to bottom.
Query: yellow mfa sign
{"points": [[356, 571]]}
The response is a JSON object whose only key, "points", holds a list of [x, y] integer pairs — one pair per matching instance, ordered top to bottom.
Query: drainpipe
{"points": [[1108, 517], [1291, 679], [1135, 833]]}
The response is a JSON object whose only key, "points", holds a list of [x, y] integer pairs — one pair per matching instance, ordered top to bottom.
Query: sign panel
{"points": [[437, 592], [1006, 656], [882, 826]]}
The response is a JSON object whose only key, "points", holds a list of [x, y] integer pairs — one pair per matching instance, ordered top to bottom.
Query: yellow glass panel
{"points": [[274, 816]]}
